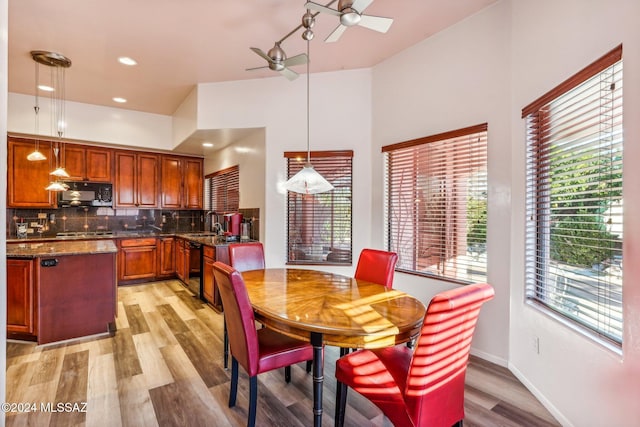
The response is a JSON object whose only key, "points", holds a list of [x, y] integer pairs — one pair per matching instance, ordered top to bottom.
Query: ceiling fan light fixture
{"points": [[350, 17]]}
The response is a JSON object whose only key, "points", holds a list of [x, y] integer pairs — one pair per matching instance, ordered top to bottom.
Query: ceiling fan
{"points": [[350, 13], [278, 61]]}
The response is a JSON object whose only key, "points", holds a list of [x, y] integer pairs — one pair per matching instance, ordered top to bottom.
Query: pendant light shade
{"points": [[36, 155], [308, 180], [57, 186]]}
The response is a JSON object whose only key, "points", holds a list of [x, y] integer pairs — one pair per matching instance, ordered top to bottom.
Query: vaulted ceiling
{"points": [[178, 44]]}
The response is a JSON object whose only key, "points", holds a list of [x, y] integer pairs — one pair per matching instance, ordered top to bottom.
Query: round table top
{"points": [[348, 312]]}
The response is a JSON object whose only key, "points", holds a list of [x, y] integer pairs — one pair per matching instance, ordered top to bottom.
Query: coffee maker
{"points": [[232, 226]]}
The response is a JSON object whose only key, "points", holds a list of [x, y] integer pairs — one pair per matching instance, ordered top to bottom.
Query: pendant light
{"points": [[58, 64], [36, 155], [308, 180]]}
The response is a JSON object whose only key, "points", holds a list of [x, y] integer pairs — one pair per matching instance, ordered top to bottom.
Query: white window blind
{"points": [[222, 191], [574, 199], [436, 204], [319, 225]]}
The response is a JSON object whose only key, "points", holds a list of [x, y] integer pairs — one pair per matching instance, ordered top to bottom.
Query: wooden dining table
{"points": [[331, 309]]}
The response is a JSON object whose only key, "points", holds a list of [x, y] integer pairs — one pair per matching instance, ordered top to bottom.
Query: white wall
{"points": [[552, 40], [487, 68], [452, 80], [340, 119], [94, 123], [249, 154], [3, 199]]}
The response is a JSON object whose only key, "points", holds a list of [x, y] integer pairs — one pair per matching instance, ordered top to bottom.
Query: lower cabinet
{"points": [[211, 254], [182, 255], [166, 257], [208, 258], [137, 259], [21, 298]]}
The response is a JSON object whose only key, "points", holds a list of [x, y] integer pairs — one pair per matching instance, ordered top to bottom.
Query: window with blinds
{"points": [[222, 191], [574, 199], [436, 204], [319, 225]]}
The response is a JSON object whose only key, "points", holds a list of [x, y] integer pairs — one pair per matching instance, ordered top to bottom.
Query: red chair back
{"points": [[246, 256], [376, 266], [243, 337], [434, 393]]}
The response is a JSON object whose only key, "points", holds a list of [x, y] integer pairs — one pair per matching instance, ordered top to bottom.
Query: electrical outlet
{"points": [[535, 344]]}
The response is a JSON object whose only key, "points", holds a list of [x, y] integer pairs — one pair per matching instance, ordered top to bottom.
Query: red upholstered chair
{"points": [[246, 256], [243, 257], [376, 266], [257, 351], [423, 387]]}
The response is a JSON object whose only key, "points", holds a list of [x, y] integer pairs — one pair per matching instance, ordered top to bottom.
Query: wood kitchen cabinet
{"points": [[86, 163], [136, 179], [27, 180], [182, 182], [211, 254], [182, 255], [166, 257], [208, 258], [137, 259], [21, 299]]}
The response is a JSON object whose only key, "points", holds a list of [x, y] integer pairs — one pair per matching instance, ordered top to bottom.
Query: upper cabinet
{"points": [[84, 163], [27, 179], [136, 180], [181, 182]]}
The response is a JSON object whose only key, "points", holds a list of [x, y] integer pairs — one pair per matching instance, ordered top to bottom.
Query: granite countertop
{"points": [[60, 248]]}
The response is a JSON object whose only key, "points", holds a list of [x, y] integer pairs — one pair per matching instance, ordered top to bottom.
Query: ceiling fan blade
{"points": [[361, 5], [320, 8], [376, 23], [335, 35], [262, 54], [296, 60], [256, 68], [289, 74]]}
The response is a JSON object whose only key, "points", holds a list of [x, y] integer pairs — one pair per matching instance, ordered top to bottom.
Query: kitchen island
{"points": [[59, 290]]}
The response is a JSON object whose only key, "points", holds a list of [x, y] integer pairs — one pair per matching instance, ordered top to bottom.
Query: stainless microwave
{"points": [[82, 193]]}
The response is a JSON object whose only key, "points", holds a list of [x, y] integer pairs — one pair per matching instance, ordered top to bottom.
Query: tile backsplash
{"points": [[42, 223]]}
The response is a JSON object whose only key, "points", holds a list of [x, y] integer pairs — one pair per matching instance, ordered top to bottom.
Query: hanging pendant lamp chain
{"points": [[308, 107]]}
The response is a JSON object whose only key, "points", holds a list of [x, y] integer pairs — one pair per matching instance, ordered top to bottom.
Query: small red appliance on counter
{"points": [[232, 225]]}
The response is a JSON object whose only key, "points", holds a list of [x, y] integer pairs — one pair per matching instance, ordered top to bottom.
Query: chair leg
{"points": [[226, 343], [309, 364], [287, 374], [234, 383], [253, 400], [341, 403], [458, 424]]}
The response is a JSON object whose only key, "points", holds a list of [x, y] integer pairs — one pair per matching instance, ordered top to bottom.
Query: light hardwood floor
{"points": [[164, 367]]}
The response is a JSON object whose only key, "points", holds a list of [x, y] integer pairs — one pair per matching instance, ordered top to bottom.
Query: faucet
{"points": [[216, 228]]}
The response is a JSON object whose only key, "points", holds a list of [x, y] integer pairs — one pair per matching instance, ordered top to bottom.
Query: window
{"points": [[222, 191], [574, 199], [436, 204], [319, 225]]}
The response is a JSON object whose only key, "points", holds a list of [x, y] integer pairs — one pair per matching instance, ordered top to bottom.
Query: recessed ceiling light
{"points": [[127, 61], [46, 88], [119, 100], [207, 144]]}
